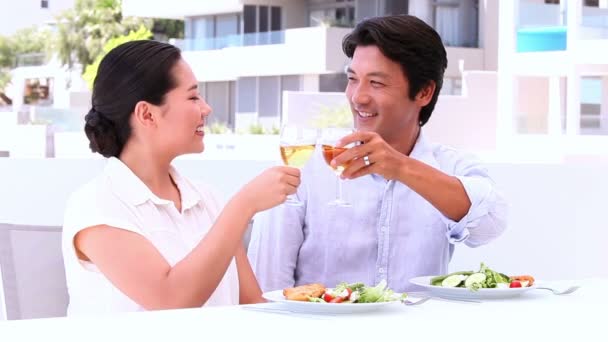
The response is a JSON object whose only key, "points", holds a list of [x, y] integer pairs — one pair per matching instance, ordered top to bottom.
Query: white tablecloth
{"points": [[537, 315]]}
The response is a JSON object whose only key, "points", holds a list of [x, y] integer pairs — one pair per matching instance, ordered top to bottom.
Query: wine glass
{"points": [[329, 139], [297, 146]]}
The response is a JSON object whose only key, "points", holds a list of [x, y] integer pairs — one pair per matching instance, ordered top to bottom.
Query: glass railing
{"points": [[594, 23], [540, 27], [248, 39], [30, 59], [62, 120]]}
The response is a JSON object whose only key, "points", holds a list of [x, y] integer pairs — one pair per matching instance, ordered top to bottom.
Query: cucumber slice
{"points": [[475, 278], [453, 280], [436, 281]]}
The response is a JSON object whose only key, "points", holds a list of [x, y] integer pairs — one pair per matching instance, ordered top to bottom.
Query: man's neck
{"points": [[405, 144]]}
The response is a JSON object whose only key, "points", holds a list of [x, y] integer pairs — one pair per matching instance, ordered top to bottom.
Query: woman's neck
{"points": [[151, 168]]}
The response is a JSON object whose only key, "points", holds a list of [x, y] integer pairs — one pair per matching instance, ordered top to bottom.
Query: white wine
{"points": [[331, 152], [296, 155]]}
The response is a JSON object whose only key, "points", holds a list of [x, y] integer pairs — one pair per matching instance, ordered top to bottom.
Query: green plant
{"points": [[83, 30], [23, 42], [90, 71], [333, 117], [217, 128], [256, 128], [275, 130]]}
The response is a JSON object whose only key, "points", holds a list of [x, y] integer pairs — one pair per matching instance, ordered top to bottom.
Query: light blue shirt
{"points": [[390, 232]]}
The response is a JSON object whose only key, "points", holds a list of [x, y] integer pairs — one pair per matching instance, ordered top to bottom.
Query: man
{"points": [[412, 201]]}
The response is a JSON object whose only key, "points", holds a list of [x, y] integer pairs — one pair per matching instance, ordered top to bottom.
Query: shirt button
{"points": [[383, 229], [381, 270]]}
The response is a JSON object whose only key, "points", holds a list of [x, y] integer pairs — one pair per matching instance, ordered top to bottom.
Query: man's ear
{"points": [[425, 95], [144, 114]]}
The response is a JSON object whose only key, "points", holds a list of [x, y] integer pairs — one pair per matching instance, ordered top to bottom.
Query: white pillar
{"points": [[574, 18], [506, 85], [573, 102], [573, 105], [604, 106], [554, 119]]}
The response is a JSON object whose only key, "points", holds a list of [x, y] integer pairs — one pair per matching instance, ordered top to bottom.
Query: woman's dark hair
{"points": [[410, 42], [131, 72]]}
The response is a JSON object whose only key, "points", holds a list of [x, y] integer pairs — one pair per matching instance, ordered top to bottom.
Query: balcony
{"points": [[179, 9], [237, 40], [310, 50], [30, 59]]}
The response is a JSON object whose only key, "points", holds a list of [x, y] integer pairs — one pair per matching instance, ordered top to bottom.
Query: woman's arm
{"points": [[138, 269], [249, 289]]}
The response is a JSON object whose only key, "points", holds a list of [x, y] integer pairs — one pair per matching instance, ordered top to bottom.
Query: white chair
{"points": [[33, 275]]}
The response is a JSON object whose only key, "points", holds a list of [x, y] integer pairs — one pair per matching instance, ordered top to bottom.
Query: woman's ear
{"points": [[425, 95], [143, 114]]}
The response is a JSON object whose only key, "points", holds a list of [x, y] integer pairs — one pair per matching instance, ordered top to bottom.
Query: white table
{"points": [[536, 316]]}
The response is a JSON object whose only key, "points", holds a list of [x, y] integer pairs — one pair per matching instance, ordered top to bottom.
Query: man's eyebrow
{"points": [[373, 73], [379, 74], [193, 87]]}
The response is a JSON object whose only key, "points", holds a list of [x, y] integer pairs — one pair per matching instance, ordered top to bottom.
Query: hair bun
{"points": [[101, 133]]}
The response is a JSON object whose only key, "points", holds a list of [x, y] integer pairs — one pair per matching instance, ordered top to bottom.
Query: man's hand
{"points": [[372, 155]]}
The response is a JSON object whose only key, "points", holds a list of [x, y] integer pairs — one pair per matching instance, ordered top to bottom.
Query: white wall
{"points": [[179, 8], [536, 13], [16, 15], [304, 52], [472, 59], [474, 112], [452, 115], [8, 121], [24, 141], [555, 232]]}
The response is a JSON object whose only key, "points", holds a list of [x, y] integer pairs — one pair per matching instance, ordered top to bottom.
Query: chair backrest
{"points": [[33, 275]]}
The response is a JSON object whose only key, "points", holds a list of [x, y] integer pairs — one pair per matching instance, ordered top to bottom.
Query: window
{"points": [[44, 3], [592, 3], [339, 13], [275, 18], [263, 19], [457, 22], [250, 23], [332, 82], [38, 91], [247, 91], [269, 96]]}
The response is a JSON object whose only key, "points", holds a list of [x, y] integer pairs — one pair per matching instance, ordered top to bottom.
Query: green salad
{"points": [[482, 279], [358, 293]]}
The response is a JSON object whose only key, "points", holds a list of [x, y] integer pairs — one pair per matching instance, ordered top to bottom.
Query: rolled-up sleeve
{"points": [[487, 216], [276, 238]]}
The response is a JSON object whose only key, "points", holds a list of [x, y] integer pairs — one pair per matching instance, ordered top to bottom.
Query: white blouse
{"points": [[118, 198]]}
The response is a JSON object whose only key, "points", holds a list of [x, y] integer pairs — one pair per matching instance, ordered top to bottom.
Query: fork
{"points": [[558, 292], [424, 299], [418, 302]]}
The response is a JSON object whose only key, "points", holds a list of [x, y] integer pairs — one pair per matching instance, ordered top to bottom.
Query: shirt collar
{"points": [[421, 148], [131, 188]]}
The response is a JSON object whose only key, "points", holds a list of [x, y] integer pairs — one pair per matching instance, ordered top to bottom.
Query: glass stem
{"points": [[339, 189]]}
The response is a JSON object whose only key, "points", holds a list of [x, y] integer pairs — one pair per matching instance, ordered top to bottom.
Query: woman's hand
{"points": [[270, 188]]}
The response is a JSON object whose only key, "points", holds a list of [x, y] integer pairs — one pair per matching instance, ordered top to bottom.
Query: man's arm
{"points": [[444, 192], [472, 208], [486, 218], [276, 239]]}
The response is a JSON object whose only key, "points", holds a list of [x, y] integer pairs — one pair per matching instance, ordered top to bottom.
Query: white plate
{"points": [[464, 293], [326, 308]]}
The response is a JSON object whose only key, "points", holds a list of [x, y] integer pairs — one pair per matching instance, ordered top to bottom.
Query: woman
{"points": [[140, 236]]}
